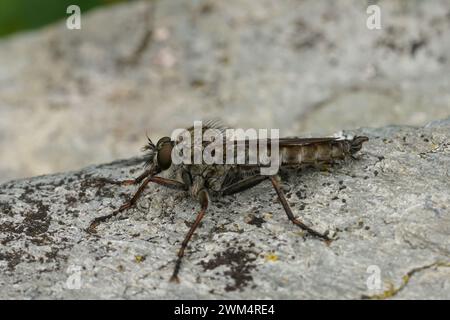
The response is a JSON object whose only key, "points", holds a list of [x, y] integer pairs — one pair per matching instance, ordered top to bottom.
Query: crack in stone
{"points": [[423, 243], [392, 291]]}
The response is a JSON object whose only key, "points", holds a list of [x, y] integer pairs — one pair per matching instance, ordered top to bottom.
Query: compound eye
{"points": [[162, 141], [165, 156]]}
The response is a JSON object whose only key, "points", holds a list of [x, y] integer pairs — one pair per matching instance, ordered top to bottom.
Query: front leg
{"points": [[169, 183], [173, 184]]}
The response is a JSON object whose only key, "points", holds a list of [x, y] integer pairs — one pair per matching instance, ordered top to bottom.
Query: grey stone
{"points": [[70, 98], [389, 209]]}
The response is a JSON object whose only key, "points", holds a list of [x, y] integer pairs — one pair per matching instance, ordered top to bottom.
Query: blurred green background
{"points": [[17, 15]]}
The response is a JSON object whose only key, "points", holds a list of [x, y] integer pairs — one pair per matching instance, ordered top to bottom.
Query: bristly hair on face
{"points": [[149, 150]]}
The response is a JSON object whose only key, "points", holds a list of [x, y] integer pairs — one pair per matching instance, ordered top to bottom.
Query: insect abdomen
{"points": [[314, 153]]}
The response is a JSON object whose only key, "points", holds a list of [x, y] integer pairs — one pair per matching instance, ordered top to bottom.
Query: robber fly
{"points": [[208, 181]]}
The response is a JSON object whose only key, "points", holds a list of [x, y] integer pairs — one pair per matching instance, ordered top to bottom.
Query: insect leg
{"points": [[139, 179], [161, 181], [172, 184], [243, 184], [203, 198], [125, 206], [289, 213]]}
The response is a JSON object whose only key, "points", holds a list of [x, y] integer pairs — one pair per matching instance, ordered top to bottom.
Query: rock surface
{"points": [[70, 98], [390, 210]]}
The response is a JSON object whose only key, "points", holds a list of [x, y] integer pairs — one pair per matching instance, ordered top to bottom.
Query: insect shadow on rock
{"points": [[208, 181]]}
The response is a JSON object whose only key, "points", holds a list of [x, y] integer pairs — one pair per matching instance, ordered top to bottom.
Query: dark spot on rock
{"points": [[206, 8], [306, 37], [416, 45], [197, 83], [133, 170], [301, 194], [71, 200], [5, 208], [255, 209], [256, 221], [37, 222], [10, 232], [52, 254], [14, 257], [240, 263]]}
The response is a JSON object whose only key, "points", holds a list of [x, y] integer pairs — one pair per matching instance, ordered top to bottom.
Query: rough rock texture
{"points": [[72, 98], [390, 210]]}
